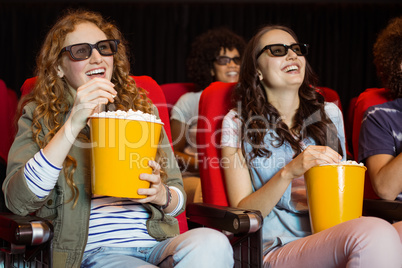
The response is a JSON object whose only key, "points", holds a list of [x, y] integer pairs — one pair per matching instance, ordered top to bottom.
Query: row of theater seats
{"points": [[215, 213], [26, 241]]}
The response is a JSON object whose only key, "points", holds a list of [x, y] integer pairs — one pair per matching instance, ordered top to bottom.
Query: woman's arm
{"points": [[89, 96], [186, 162], [385, 172], [238, 181], [239, 186], [19, 196]]}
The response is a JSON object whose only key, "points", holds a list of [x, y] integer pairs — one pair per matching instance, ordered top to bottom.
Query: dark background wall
{"points": [[340, 34]]}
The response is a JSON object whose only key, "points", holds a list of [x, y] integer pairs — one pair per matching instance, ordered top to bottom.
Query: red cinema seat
{"points": [[173, 91], [330, 95], [214, 104], [8, 108]]}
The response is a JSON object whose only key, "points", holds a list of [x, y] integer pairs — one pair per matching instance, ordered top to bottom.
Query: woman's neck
{"points": [[286, 101]]}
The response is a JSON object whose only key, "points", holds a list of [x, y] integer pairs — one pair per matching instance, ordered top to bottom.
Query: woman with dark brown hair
{"points": [[82, 65], [280, 128]]}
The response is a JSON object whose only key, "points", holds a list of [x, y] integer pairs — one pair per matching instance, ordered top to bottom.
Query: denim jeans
{"points": [[196, 248]]}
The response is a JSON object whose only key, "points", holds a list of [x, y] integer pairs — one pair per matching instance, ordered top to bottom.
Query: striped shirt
{"points": [[114, 222]]}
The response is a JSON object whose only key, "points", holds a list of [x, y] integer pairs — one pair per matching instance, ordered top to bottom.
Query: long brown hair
{"points": [[52, 95], [259, 115]]}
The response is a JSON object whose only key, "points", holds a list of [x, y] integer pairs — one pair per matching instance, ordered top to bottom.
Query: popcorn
{"points": [[129, 115], [345, 163], [351, 163]]}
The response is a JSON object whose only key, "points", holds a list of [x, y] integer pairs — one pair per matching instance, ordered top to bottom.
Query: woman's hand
{"points": [[89, 97], [312, 156], [156, 193]]}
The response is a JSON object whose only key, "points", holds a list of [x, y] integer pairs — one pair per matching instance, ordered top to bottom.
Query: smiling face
{"points": [[280, 72], [78, 73], [226, 73]]}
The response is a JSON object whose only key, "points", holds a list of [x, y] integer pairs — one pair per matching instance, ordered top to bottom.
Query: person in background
{"points": [[214, 56], [82, 64], [280, 129], [380, 140]]}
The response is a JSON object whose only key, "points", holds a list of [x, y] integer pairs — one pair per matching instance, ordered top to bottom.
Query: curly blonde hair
{"points": [[51, 93]]}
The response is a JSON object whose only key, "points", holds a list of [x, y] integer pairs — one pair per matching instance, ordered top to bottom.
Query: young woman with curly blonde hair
{"points": [[83, 64]]}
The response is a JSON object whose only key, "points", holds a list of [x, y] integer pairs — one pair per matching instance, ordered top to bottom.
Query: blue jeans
{"points": [[196, 248]]}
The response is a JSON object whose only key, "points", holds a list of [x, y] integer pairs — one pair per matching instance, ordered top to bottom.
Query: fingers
{"points": [[97, 91], [322, 155], [312, 156], [153, 178], [156, 192]]}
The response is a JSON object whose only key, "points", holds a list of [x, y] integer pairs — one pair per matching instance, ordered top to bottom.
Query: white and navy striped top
{"points": [[114, 222]]}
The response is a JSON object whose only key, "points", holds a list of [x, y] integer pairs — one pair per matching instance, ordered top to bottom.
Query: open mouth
{"points": [[291, 68], [100, 71], [232, 73]]}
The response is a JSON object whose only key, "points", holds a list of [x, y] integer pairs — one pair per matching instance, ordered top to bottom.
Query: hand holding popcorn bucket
{"points": [[122, 145], [334, 194]]}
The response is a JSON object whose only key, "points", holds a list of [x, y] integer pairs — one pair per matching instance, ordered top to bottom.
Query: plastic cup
{"points": [[121, 149], [334, 194]]}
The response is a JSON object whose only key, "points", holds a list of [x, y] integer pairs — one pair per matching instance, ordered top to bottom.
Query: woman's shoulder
{"points": [[190, 96], [189, 99], [29, 108], [331, 108], [333, 112], [232, 115], [232, 119]]}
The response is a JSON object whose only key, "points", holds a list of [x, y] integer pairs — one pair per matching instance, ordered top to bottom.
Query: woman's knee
{"points": [[398, 227], [375, 229], [209, 238], [376, 241], [204, 247]]}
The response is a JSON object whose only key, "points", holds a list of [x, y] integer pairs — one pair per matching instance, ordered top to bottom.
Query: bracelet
{"points": [[168, 197]]}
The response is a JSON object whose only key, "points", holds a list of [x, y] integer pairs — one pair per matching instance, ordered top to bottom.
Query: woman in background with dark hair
{"points": [[215, 56], [280, 128]]}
